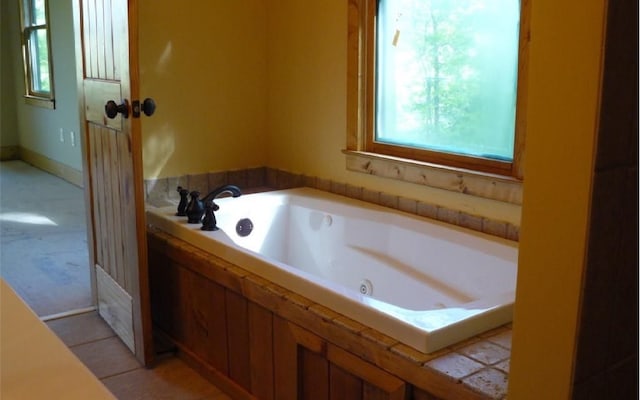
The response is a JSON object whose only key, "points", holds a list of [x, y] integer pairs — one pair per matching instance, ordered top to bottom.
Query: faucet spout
{"points": [[232, 189], [197, 208], [209, 222]]}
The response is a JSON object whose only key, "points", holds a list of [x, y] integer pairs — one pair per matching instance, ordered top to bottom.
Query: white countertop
{"points": [[34, 362]]}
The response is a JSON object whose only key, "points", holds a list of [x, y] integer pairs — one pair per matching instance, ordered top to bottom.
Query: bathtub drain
{"points": [[244, 227], [366, 287]]}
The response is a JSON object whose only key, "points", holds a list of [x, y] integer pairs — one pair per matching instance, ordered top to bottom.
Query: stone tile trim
{"points": [[162, 192], [480, 363]]}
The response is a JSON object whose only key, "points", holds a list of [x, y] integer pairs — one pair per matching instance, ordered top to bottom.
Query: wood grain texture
{"points": [[113, 160], [116, 217], [115, 307], [209, 322], [238, 339], [261, 351], [285, 360], [314, 375], [343, 385], [395, 387]]}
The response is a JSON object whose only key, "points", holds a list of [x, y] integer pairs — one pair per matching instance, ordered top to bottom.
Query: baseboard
{"points": [[8, 153], [54, 167], [66, 314]]}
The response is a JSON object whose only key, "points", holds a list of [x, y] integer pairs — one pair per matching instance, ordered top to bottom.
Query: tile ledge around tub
{"points": [[162, 192]]}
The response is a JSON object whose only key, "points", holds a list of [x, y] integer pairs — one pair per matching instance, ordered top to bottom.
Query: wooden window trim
{"points": [[31, 96], [40, 101], [365, 157]]}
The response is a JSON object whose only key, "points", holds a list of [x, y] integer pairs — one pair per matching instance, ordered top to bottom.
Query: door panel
{"points": [[96, 90], [112, 151], [115, 307]]}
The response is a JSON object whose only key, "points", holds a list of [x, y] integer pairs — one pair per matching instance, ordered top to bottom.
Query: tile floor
{"points": [[47, 264], [95, 344]]}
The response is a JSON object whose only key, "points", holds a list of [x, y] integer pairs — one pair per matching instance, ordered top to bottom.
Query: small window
{"points": [[36, 52], [439, 82]]}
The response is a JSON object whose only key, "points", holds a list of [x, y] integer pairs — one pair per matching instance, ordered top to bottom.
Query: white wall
{"points": [[38, 129]]}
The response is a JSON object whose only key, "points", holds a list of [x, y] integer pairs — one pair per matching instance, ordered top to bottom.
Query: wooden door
{"points": [[106, 45]]}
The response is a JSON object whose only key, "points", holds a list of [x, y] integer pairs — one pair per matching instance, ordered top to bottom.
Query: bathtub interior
{"points": [[399, 260], [431, 278]]}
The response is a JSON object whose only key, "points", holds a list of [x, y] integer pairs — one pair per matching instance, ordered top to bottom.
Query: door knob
{"points": [[148, 107], [112, 109]]}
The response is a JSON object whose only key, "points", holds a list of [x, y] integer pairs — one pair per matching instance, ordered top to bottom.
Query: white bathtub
{"points": [[424, 283]]}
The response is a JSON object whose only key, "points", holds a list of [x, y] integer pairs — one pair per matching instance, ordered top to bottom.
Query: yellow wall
{"points": [[205, 67], [565, 67], [307, 86]]}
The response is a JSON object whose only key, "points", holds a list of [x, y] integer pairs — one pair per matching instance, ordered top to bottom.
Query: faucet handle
{"points": [[184, 199], [195, 208], [209, 222]]}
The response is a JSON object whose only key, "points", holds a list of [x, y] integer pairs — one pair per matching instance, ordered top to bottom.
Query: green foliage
{"points": [[440, 38], [455, 71], [42, 72]]}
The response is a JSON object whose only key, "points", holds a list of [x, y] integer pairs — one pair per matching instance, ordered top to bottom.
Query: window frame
{"points": [[32, 96], [366, 155]]}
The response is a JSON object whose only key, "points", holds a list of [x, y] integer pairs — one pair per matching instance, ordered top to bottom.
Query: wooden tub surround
{"points": [[255, 339]]}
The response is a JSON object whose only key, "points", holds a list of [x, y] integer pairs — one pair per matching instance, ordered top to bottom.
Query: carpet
{"points": [[43, 242]]}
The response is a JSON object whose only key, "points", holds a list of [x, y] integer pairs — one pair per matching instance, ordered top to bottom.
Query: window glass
{"points": [[36, 14], [37, 57], [39, 61], [446, 75]]}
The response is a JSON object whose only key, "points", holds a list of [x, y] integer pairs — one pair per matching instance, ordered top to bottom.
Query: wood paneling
{"points": [[101, 40], [108, 43], [112, 150], [98, 197], [114, 204], [117, 214], [166, 291], [114, 306], [191, 309], [207, 329], [238, 339], [246, 343], [261, 351], [285, 363], [313, 374], [343, 385], [394, 387], [372, 392]]}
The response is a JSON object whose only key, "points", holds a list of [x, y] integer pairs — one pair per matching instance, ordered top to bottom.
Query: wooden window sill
{"points": [[40, 102], [473, 183]]}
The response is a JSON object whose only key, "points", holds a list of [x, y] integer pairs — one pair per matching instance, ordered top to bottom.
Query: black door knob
{"points": [[148, 107], [112, 109]]}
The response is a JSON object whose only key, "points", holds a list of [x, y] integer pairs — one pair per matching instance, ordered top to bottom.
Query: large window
{"points": [[36, 52], [438, 82]]}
